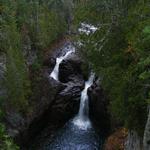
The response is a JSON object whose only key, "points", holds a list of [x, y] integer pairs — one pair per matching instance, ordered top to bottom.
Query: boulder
{"points": [[70, 69]]}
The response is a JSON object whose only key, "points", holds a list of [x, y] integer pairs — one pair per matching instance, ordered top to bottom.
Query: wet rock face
{"points": [[70, 70], [67, 100], [66, 103], [98, 107]]}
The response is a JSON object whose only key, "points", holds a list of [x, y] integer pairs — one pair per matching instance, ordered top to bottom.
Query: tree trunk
{"points": [[146, 138]]}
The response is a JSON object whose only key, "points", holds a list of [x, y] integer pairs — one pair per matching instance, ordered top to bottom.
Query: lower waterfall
{"points": [[82, 119]]}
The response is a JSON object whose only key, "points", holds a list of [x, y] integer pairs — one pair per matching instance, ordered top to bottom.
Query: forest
{"points": [[118, 51]]}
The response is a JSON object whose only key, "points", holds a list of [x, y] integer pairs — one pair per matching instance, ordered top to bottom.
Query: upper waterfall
{"points": [[54, 74]]}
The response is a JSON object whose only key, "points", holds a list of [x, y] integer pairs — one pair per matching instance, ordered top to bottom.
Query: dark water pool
{"points": [[71, 137]]}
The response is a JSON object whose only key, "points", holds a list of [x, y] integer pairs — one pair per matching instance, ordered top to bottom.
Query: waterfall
{"points": [[87, 28], [54, 74], [82, 119]]}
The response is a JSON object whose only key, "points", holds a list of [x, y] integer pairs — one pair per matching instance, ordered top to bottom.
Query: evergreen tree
{"points": [[119, 53]]}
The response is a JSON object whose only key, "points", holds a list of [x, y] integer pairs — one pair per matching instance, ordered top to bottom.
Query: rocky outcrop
{"points": [[70, 69], [52, 101], [98, 107], [23, 127], [146, 139], [133, 141]]}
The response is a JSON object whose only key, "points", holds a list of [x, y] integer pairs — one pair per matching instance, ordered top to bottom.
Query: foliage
{"points": [[23, 21], [28, 27], [120, 53], [16, 78], [6, 142]]}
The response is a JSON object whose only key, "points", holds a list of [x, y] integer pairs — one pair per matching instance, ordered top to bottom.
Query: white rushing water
{"points": [[87, 28], [54, 74], [82, 119]]}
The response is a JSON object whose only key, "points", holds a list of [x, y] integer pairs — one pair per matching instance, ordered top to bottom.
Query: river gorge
{"points": [[76, 132]]}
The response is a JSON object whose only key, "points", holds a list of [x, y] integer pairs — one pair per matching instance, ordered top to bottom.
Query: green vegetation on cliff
{"points": [[28, 27], [120, 53]]}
